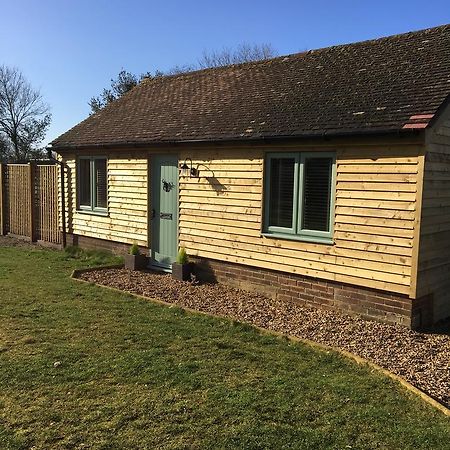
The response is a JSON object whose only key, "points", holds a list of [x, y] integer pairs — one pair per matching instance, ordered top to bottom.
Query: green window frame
{"points": [[294, 170], [92, 184]]}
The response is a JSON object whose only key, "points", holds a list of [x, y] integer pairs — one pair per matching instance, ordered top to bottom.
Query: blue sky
{"points": [[70, 49]]}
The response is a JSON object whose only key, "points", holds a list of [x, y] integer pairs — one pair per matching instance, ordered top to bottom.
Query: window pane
{"points": [[84, 183], [100, 183], [281, 192], [317, 194]]}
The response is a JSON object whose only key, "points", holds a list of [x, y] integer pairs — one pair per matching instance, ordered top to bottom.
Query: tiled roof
{"points": [[392, 83]]}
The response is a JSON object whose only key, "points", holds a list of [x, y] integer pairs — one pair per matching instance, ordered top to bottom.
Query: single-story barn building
{"points": [[321, 177]]}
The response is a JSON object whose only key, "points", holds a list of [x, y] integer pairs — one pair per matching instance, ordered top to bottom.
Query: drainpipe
{"points": [[63, 197]]}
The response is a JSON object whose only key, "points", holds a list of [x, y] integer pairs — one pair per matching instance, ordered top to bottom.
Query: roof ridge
{"points": [[292, 55], [381, 84]]}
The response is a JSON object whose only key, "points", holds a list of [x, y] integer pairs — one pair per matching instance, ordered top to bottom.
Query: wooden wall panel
{"points": [[221, 212], [220, 216], [127, 219], [434, 254]]}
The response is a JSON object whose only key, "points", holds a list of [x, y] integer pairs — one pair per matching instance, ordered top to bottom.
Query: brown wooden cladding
{"points": [[375, 211], [127, 218], [434, 256]]}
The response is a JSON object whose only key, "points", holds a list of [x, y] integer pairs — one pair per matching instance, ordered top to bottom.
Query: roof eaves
{"points": [[328, 134]]}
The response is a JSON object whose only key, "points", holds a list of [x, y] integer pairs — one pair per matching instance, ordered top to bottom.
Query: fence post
{"points": [[31, 187], [2, 201]]}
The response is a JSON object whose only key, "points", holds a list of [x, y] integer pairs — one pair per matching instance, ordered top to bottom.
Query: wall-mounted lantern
{"points": [[187, 170]]}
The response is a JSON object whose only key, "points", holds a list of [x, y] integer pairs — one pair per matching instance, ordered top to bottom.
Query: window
{"points": [[92, 184], [299, 190]]}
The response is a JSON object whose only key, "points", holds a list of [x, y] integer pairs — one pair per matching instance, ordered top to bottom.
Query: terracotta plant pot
{"points": [[136, 262], [182, 272]]}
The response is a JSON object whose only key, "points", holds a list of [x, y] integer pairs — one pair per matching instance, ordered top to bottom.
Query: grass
{"points": [[84, 367]]}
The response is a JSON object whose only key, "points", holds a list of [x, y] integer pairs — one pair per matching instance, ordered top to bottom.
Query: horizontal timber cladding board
{"points": [[378, 168], [206, 169], [125, 177], [377, 177], [208, 182], [129, 183], [375, 186], [222, 188], [437, 193], [225, 194], [377, 195], [116, 197], [218, 200], [437, 202], [381, 204], [122, 210], [232, 210], [375, 212], [195, 215], [374, 216], [435, 216], [127, 219], [108, 222], [374, 222], [255, 225], [136, 227], [434, 228], [375, 230], [365, 234], [127, 238], [343, 242], [357, 250], [434, 251], [277, 255], [310, 268], [375, 284]]}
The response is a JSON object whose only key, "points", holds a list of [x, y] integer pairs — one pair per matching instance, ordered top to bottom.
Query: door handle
{"points": [[153, 213]]}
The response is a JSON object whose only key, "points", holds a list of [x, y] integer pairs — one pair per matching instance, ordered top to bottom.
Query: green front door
{"points": [[164, 197]]}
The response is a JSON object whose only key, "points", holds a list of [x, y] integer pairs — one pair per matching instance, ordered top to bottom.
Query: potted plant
{"points": [[135, 260], [182, 268]]}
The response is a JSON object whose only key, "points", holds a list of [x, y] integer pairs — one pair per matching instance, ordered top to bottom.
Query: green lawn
{"points": [[133, 374]]}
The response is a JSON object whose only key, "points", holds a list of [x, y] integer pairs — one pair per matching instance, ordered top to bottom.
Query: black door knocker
{"points": [[167, 186]]}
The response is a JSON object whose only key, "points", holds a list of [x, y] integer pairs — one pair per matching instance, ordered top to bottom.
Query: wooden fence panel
{"points": [[18, 199], [46, 200], [29, 204]]}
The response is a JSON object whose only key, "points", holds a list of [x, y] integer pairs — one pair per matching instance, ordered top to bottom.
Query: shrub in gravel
{"points": [[134, 250], [135, 260], [182, 268]]}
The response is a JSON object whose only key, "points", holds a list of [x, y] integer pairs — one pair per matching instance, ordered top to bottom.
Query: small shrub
{"points": [[134, 250], [182, 257]]}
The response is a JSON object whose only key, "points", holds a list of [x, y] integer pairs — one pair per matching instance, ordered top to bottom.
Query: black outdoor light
{"points": [[188, 171]]}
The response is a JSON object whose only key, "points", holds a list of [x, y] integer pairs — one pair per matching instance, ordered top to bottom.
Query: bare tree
{"points": [[243, 53], [24, 117]]}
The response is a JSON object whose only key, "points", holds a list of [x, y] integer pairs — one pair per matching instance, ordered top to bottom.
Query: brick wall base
{"points": [[90, 243], [369, 303]]}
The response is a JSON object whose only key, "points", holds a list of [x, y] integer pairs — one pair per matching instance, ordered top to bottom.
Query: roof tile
{"points": [[391, 83]]}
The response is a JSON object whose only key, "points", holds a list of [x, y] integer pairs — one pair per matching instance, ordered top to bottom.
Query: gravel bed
{"points": [[421, 358]]}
